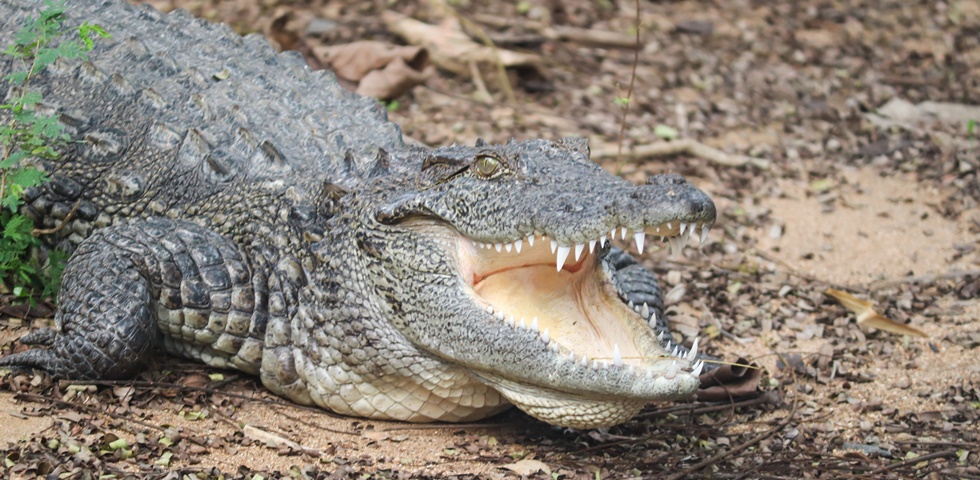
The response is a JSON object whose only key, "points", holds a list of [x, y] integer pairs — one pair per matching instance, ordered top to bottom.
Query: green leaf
{"points": [[16, 78], [665, 132], [118, 443], [164, 459]]}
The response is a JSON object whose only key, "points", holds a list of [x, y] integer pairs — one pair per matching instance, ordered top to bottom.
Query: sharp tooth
{"points": [[668, 227], [683, 228], [623, 232], [687, 234], [704, 235], [639, 237], [530, 240], [602, 241], [518, 244], [554, 245], [676, 245], [498, 246], [508, 246], [591, 246], [578, 250], [562, 255], [630, 304], [489, 309], [637, 309], [645, 312], [500, 315], [653, 317], [510, 320], [522, 324], [534, 325], [544, 336], [660, 336], [677, 351], [694, 351], [571, 356], [617, 357], [585, 361], [595, 364], [605, 364], [697, 368], [672, 371], [650, 372]]}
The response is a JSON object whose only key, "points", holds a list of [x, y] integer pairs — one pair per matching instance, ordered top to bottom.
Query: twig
{"points": [[590, 37], [629, 91], [482, 94], [684, 146], [48, 231], [923, 279], [767, 397], [455, 426], [714, 458], [913, 461]]}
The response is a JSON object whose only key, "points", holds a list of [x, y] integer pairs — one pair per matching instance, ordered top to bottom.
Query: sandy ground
{"points": [[754, 78]]}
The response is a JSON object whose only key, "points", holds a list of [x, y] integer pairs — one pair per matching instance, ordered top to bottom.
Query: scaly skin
{"points": [[266, 220]]}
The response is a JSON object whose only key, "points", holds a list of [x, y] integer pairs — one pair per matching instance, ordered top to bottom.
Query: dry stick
{"points": [[441, 8], [590, 37], [629, 91], [482, 94], [684, 146], [49, 231], [924, 279], [760, 400], [461, 426], [714, 458], [913, 461]]}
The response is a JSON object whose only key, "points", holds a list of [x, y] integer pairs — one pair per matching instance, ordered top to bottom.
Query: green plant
{"points": [[27, 136]]}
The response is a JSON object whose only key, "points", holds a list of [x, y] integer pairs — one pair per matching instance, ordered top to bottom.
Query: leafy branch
{"points": [[27, 136]]}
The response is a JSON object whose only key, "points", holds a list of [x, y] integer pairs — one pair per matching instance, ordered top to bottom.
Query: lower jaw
{"points": [[564, 410]]}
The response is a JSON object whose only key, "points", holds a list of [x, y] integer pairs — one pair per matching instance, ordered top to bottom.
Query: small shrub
{"points": [[26, 135]]}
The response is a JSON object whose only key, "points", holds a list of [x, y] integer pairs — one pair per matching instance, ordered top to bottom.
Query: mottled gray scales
{"points": [[237, 208]]}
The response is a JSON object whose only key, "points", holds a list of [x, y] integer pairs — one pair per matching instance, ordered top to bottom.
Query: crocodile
{"points": [[225, 203]]}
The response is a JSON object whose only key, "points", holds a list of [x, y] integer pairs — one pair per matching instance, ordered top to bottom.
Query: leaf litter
{"points": [[883, 206]]}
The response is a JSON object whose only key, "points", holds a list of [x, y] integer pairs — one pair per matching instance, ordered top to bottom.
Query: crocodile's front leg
{"points": [[145, 283], [638, 286]]}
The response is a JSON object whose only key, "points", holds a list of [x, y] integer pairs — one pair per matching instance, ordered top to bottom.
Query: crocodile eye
{"points": [[486, 165]]}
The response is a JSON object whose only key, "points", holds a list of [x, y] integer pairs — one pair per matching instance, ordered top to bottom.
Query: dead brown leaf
{"points": [[451, 49], [381, 70], [867, 317], [738, 380], [527, 467]]}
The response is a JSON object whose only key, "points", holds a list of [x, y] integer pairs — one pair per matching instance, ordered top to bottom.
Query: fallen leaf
{"points": [[451, 49], [380, 70], [867, 317], [527, 467]]}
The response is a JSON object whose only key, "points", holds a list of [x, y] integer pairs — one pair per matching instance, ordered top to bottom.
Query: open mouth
{"points": [[566, 295]]}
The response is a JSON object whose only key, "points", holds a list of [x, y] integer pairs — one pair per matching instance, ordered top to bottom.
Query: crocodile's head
{"points": [[493, 258]]}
